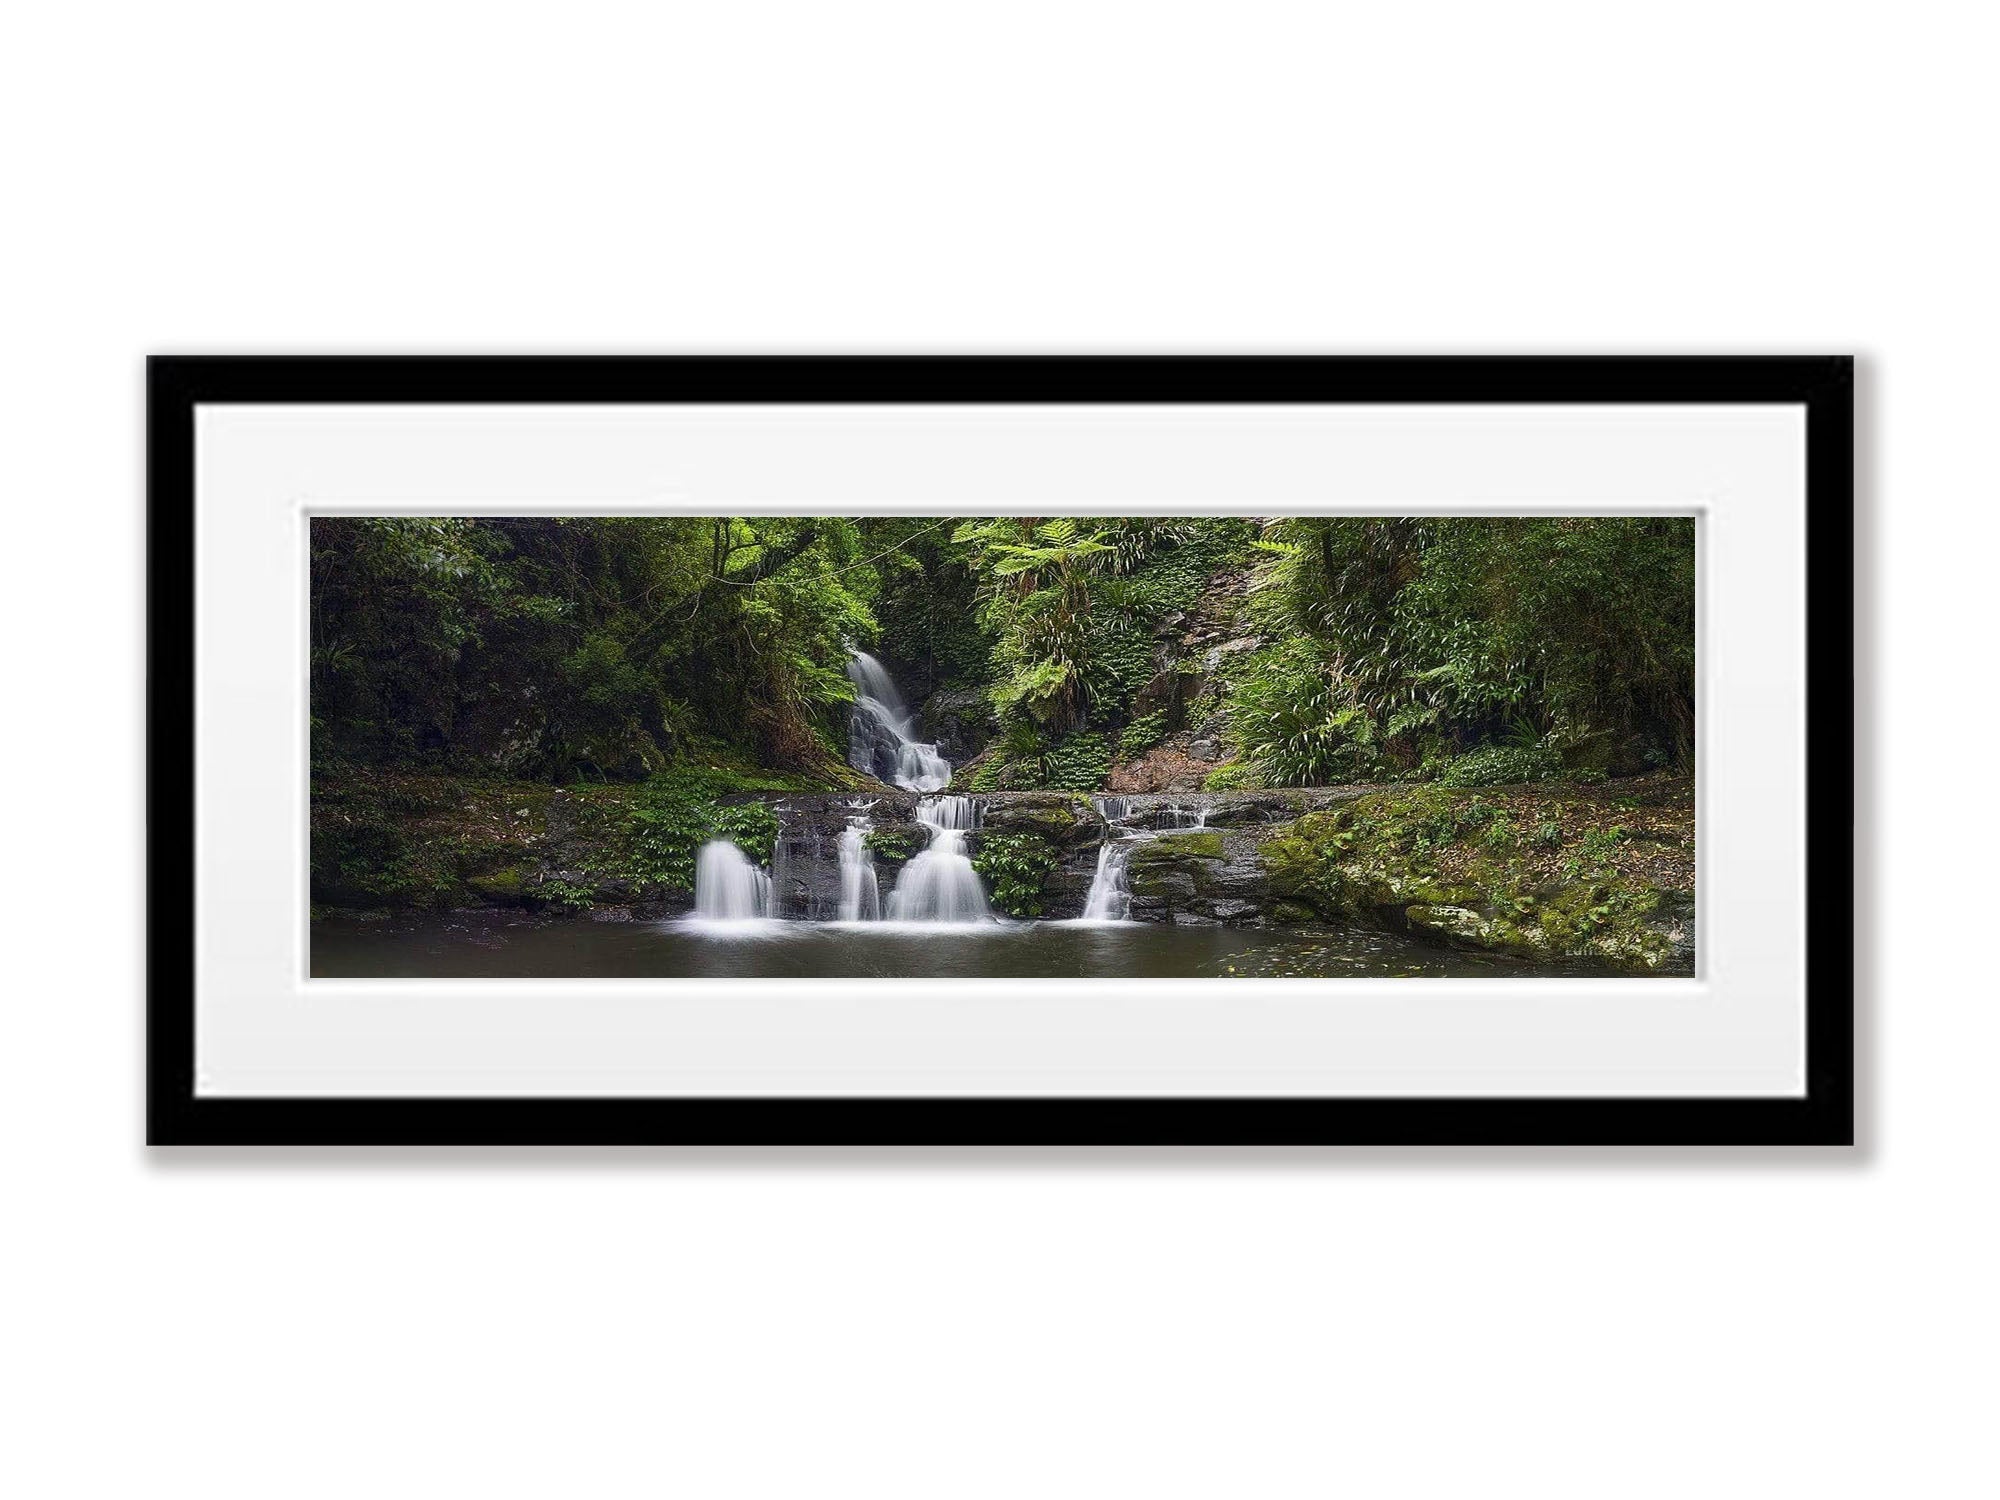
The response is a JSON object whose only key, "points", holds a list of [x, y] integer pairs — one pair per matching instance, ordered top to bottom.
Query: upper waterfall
{"points": [[878, 733]]}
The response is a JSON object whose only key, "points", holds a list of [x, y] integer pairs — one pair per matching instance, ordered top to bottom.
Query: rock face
{"points": [[960, 720], [805, 862], [1204, 876]]}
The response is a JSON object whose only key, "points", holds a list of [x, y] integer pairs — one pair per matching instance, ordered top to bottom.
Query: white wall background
{"points": [[1528, 177]]}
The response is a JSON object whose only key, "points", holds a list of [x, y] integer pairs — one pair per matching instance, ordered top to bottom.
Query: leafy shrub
{"points": [[1291, 719], [1142, 734], [1079, 764], [1502, 765], [1233, 776], [671, 818], [750, 826], [896, 844], [1594, 851], [1015, 865], [563, 896]]}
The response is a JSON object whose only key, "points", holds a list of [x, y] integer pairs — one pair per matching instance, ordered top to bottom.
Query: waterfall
{"points": [[878, 733], [1173, 815], [940, 885], [727, 886], [1110, 896], [860, 898]]}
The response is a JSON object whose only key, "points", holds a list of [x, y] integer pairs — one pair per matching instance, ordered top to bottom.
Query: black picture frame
{"points": [[1824, 1115]]}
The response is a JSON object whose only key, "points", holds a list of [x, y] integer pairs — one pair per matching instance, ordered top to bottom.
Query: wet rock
{"points": [[960, 721], [1060, 817]]}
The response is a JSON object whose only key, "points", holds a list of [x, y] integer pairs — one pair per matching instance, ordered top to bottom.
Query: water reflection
{"points": [[494, 945]]}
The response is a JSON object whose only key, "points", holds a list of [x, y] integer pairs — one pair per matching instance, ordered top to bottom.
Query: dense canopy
{"points": [[1293, 651]]}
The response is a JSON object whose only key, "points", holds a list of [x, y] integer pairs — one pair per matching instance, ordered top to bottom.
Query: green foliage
{"points": [[1403, 637], [584, 647], [712, 650], [1295, 724], [1142, 734], [1079, 764], [1501, 765], [1233, 776], [671, 818], [751, 827], [896, 844], [1594, 851], [1014, 865], [563, 896]]}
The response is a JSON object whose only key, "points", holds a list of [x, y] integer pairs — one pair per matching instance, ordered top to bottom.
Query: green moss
{"points": [[1050, 818], [1200, 844], [1452, 865], [1161, 881], [502, 887]]}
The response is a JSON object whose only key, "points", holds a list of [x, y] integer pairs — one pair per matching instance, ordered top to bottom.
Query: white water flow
{"points": [[878, 733], [1173, 815], [940, 885], [727, 886], [860, 896], [1110, 896]]}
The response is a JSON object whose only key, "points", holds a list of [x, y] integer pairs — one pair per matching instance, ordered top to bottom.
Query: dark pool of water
{"points": [[491, 945]]}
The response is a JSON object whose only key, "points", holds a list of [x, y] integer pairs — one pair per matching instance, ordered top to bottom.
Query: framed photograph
{"points": [[1029, 751]]}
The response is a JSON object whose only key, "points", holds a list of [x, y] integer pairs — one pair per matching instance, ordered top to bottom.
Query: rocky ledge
{"points": [[1604, 872]]}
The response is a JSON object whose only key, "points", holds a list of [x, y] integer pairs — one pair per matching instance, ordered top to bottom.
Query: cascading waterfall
{"points": [[878, 733], [1173, 815], [940, 885], [728, 887], [1110, 895], [860, 896], [1110, 898]]}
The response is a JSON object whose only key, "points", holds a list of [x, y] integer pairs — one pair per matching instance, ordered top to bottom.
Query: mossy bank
{"points": [[1603, 871]]}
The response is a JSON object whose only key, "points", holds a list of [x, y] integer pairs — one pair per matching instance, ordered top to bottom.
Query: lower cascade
{"points": [[940, 885], [728, 887], [860, 896], [1110, 896]]}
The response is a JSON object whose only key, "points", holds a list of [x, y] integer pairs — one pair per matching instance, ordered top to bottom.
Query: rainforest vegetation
{"points": [[1074, 653], [1475, 733]]}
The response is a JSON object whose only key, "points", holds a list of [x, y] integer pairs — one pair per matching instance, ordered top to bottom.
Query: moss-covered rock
{"points": [[1058, 817], [1199, 844], [1530, 870], [499, 887]]}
